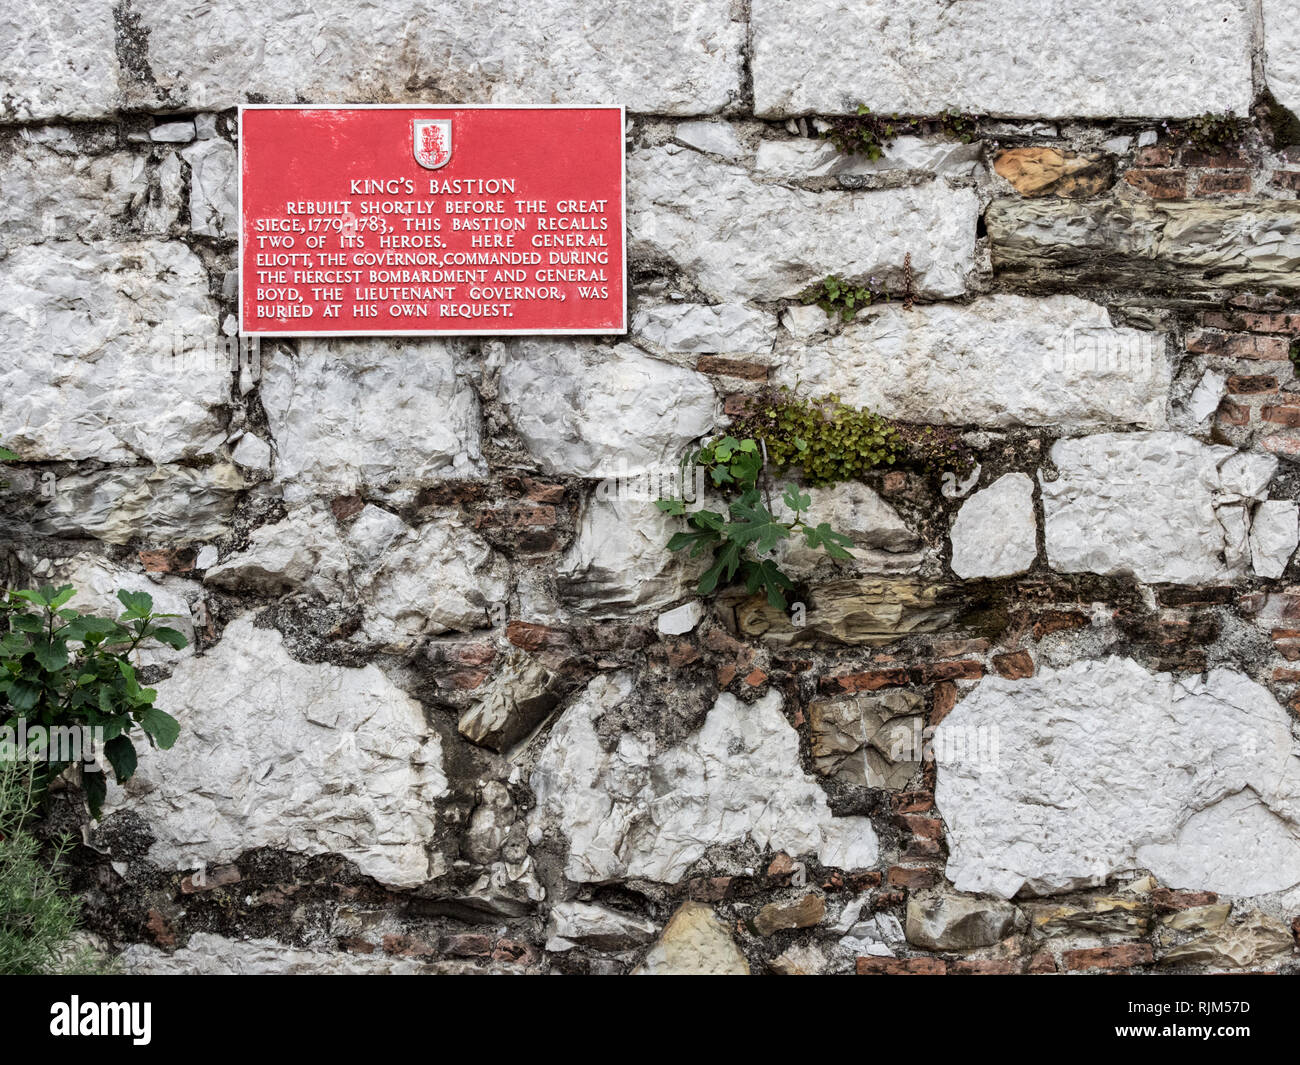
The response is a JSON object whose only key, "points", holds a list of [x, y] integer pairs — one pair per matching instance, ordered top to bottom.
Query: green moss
{"points": [[1283, 126], [865, 133], [831, 441]]}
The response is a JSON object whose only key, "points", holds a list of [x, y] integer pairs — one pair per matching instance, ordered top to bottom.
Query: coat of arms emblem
{"points": [[431, 142]]}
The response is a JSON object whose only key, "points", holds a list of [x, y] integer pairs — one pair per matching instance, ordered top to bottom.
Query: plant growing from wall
{"points": [[1213, 132], [869, 134], [836, 296], [831, 441], [6, 456], [741, 539], [62, 668], [37, 915]]}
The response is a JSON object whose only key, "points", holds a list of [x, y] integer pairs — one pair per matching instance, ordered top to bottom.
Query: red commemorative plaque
{"points": [[357, 221]]}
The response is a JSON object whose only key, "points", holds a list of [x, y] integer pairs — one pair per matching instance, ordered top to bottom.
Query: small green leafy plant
{"points": [[1213, 132], [835, 296], [829, 440], [832, 441], [748, 531], [62, 668], [37, 914]]}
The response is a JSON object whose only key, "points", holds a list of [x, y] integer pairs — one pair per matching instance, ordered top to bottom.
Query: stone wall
{"points": [[449, 707]]}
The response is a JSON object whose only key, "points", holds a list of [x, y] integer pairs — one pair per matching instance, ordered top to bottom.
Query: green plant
{"points": [[1212, 132], [865, 133], [834, 295], [829, 440], [935, 449], [6, 456], [738, 545], [61, 669], [37, 916]]}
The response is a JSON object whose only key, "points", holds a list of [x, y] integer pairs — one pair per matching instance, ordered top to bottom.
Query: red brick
{"points": [[1154, 156], [1214, 160], [1287, 179], [1223, 183], [1159, 184], [1254, 321], [1238, 345], [746, 371], [1251, 384], [736, 404], [1231, 413], [1287, 414], [1281, 444], [544, 493], [345, 507], [516, 515], [180, 560], [1049, 621], [533, 637], [723, 643], [958, 648], [679, 653], [472, 654], [1014, 666], [929, 672], [726, 674], [1286, 676], [755, 678], [467, 680], [870, 681], [945, 698], [914, 802], [921, 827], [921, 850], [781, 866], [913, 879], [863, 880], [708, 888], [1166, 901], [160, 929], [356, 945], [468, 945], [408, 947], [513, 952], [1123, 956], [1042, 962], [901, 967], [983, 968]]}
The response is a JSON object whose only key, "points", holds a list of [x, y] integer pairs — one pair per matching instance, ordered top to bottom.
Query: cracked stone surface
{"points": [[318, 759], [1207, 799], [640, 812]]}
